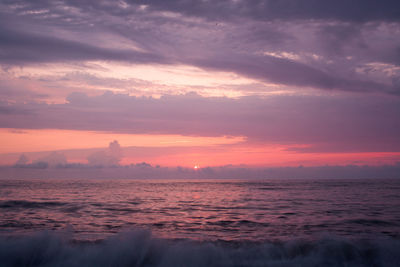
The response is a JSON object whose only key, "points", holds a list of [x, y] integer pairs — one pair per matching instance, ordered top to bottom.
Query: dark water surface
{"points": [[228, 223]]}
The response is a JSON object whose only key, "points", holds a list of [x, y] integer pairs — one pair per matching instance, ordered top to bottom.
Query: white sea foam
{"points": [[140, 248]]}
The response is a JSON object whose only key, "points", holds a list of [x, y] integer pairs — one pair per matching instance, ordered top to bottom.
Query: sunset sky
{"points": [[206, 83]]}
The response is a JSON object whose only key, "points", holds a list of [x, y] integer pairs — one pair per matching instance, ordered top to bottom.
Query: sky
{"points": [[263, 83]]}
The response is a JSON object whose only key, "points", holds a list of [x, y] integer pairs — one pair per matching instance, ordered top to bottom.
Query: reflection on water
{"points": [[203, 209]]}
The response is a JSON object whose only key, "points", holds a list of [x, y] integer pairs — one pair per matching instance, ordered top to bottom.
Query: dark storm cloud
{"points": [[338, 123]]}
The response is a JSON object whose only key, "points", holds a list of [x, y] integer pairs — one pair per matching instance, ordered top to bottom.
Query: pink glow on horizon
{"points": [[268, 85], [27, 140], [175, 150], [268, 159]]}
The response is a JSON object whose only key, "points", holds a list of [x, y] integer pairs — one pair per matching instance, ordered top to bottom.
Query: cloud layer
{"points": [[328, 46], [309, 76], [322, 123], [146, 171]]}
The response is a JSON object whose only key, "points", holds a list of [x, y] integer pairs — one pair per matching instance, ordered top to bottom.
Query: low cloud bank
{"points": [[109, 157], [103, 158], [54, 159], [104, 164], [146, 171]]}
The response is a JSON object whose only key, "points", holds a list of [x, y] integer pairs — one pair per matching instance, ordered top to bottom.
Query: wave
{"points": [[29, 204], [369, 222], [140, 248]]}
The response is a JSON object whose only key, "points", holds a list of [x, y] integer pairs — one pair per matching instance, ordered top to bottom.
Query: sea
{"points": [[164, 222]]}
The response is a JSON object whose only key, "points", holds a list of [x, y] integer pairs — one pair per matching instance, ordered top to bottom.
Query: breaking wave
{"points": [[140, 248]]}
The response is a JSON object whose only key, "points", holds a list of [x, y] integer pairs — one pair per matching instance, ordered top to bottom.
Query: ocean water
{"points": [[45, 222]]}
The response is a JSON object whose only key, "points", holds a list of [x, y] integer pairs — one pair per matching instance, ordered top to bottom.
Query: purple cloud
{"points": [[342, 10], [330, 44], [331, 123], [146, 171]]}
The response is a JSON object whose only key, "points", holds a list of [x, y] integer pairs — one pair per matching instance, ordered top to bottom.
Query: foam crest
{"points": [[140, 248]]}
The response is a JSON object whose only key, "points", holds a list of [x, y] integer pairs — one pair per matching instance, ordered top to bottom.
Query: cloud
{"points": [[265, 10], [342, 10], [329, 40], [25, 47], [340, 48], [285, 71], [339, 123], [109, 157], [54, 159], [22, 160], [145, 171]]}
